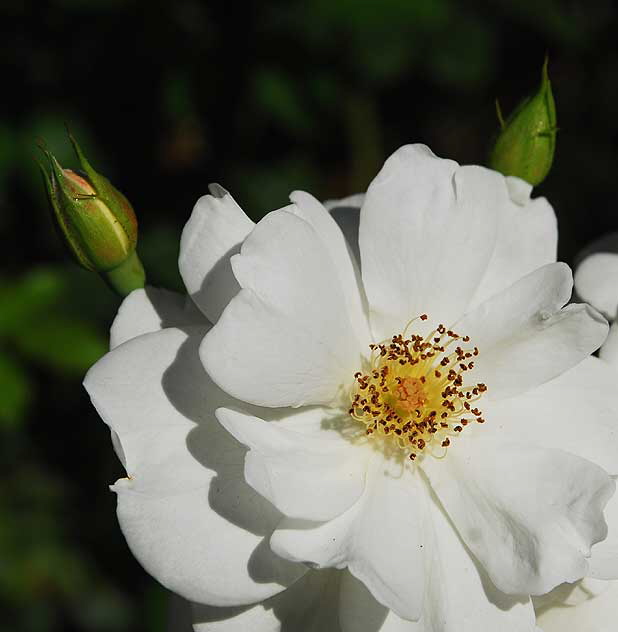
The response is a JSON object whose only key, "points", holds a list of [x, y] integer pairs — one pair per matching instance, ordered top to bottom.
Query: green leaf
{"points": [[278, 95], [29, 298], [63, 343], [15, 394], [156, 605]]}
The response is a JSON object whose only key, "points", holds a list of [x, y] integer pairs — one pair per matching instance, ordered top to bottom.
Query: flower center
{"points": [[415, 393]]}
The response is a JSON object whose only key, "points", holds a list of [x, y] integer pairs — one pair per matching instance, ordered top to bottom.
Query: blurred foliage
{"points": [[263, 97], [39, 322]]}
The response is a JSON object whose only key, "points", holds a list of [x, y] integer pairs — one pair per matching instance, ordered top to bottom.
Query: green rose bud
{"points": [[525, 146], [97, 222]]}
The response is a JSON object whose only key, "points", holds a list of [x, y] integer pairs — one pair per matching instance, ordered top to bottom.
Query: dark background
{"points": [[263, 97]]}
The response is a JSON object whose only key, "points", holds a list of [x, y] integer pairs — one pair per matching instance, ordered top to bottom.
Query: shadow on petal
{"points": [[219, 286], [213, 447], [499, 599], [309, 605]]}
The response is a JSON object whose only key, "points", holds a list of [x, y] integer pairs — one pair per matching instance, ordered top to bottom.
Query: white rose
{"points": [[441, 522]]}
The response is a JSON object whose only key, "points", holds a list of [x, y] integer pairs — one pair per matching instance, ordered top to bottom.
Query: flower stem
{"points": [[128, 276]]}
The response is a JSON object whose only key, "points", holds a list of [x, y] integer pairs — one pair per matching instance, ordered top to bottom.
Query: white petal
{"points": [[519, 190], [427, 233], [212, 235], [527, 239], [346, 267], [596, 282], [150, 309], [524, 337], [285, 339], [609, 351], [575, 412], [304, 476], [185, 510], [528, 514], [379, 539], [604, 561], [459, 597], [309, 605], [598, 613]]}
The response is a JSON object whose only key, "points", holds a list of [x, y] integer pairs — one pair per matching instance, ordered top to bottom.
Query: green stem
{"points": [[128, 276]]}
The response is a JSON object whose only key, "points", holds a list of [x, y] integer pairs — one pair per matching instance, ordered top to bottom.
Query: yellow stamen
{"points": [[414, 391]]}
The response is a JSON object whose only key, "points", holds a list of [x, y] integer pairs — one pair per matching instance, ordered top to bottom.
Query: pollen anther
{"points": [[414, 391]]}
